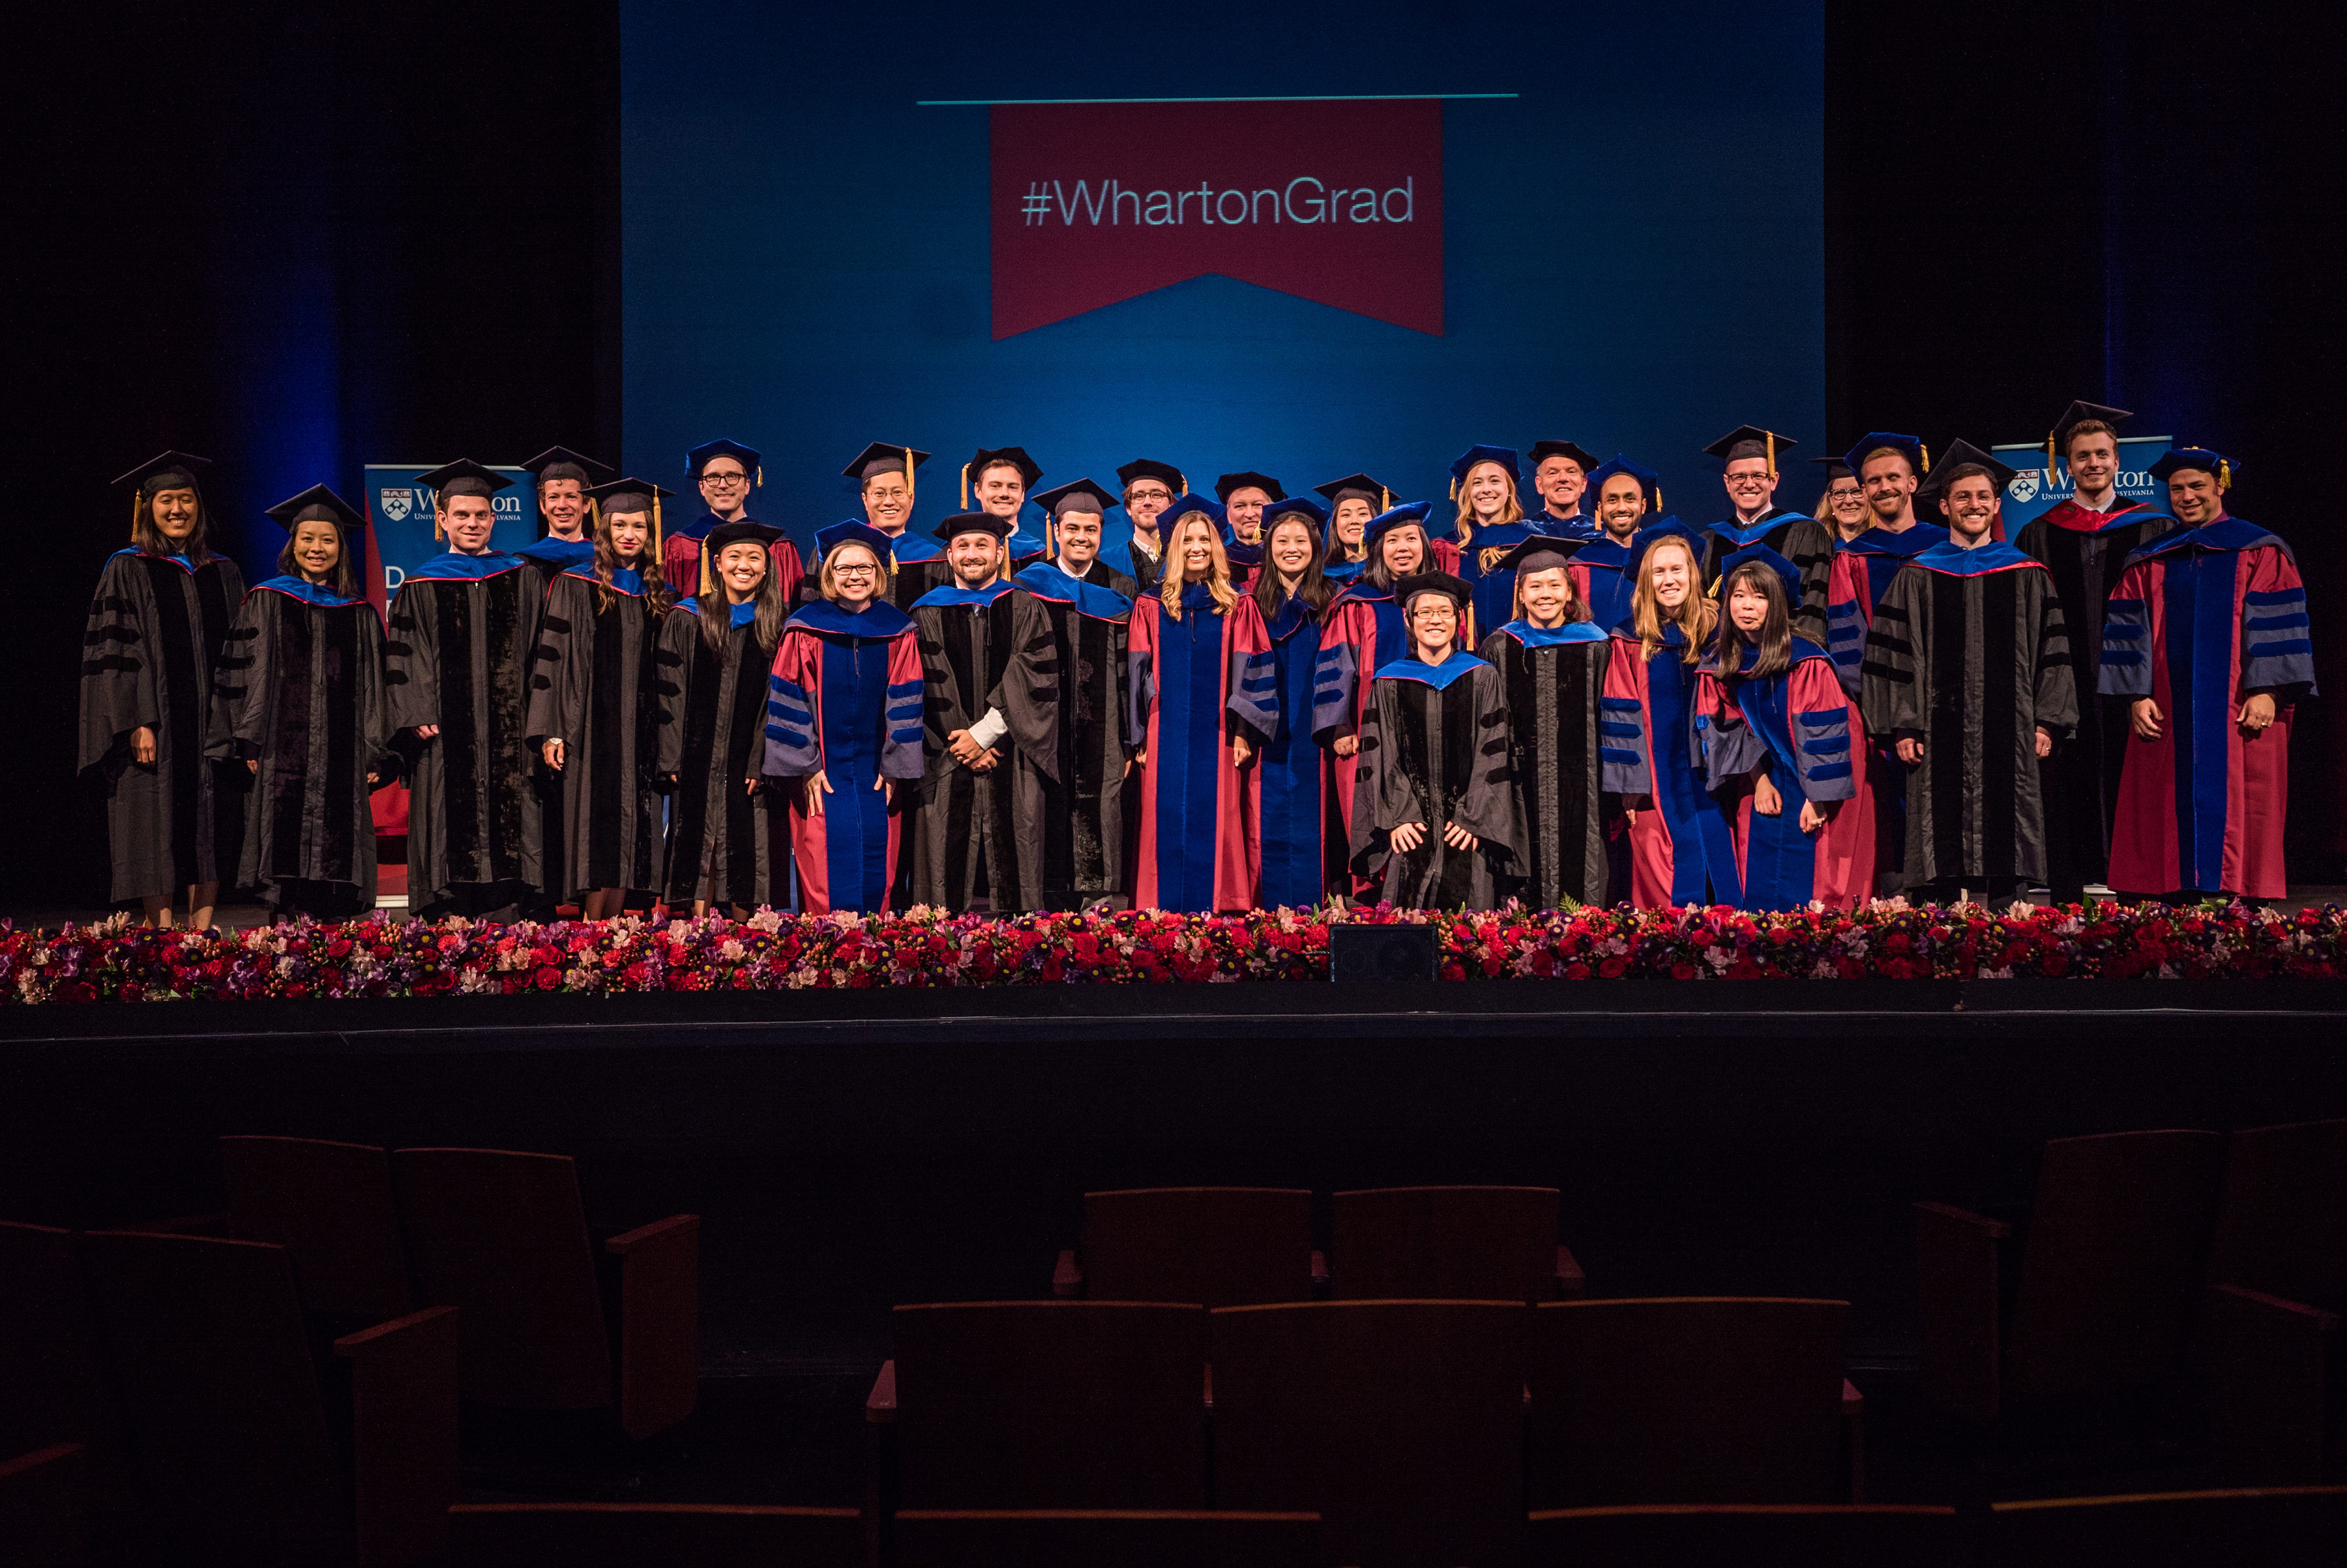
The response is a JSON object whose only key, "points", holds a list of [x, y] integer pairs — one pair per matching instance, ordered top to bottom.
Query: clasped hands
{"points": [[1407, 836]]}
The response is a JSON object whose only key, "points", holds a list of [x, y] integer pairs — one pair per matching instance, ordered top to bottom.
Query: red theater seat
{"points": [[330, 1206], [503, 1237], [1450, 1244], [1218, 1247], [1694, 1400], [1400, 1422], [2283, 1527], [653, 1535], [1747, 1536], [1097, 1538]]}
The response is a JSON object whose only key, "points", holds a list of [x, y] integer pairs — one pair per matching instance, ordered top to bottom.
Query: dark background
{"points": [[395, 228]]}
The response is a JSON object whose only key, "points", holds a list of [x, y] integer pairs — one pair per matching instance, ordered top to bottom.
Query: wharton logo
{"points": [[1337, 202], [397, 504]]}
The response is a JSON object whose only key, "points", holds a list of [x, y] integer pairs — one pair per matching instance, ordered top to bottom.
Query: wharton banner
{"points": [[1339, 202], [2030, 494], [399, 519]]}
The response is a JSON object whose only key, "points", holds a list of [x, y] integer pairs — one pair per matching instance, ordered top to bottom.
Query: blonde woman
{"points": [[1484, 481], [1842, 507], [1196, 650], [1679, 845]]}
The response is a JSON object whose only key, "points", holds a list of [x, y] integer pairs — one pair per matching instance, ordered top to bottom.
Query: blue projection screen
{"points": [[1385, 233]]}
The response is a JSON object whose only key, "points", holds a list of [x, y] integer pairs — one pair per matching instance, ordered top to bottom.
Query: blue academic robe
{"points": [[1292, 767]]}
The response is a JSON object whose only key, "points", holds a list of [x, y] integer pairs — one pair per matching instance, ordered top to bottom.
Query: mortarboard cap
{"points": [[1750, 440], [2057, 440], [1542, 451], [1959, 453], [1917, 455], [700, 457], [991, 457], [2200, 457], [882, 458], [563, 463], [1464, 465], [1150, 468], [1835, 469], [165, 471], [464, 477], [1228, 482], [1650, 483], [1373, 491], [608, 495], [1080, 496], [318, 503], [1185, 504], [1294, 506], [1393, 518], [961, 523], [854, 531], [740, 532], [1557, 552], [1440, 582]]}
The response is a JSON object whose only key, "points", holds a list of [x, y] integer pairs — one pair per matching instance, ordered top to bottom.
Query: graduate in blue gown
{"points": [[1485, 482], [1629, 498], [1292, 770]]}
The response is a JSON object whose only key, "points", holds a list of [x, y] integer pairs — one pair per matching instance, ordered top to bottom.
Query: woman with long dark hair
{"points": [[1353, 500], [149, 655], [300, 702], [595, 705], [1780, 729], [1291, 769], [729, 837]]}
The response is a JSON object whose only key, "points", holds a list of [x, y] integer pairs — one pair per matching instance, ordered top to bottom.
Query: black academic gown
{"points": [[1802, 540], [548, 557], [463, 633], [985, 649], [1968, 655], [149, 657], [1554, 679], [595, 691], [300, 692], [1434, 750], [2081, 779], [1085, 800], [726, 844]]}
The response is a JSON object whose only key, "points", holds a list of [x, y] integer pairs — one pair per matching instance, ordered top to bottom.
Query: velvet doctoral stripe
{"points": [[180, 643], [290, 670], [1184, 771], [1291, 806], [855, 815]]}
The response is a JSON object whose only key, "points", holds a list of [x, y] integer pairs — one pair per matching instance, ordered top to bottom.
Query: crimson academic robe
{"points": [[1802, 540], [2085, 551], [681, 559], [919, 566], [1605, 572], [2202, 619], [464, 636], [986, 649], [1968, 655], [148, 656], [1554, 678], [596, 690], [300, 692], [845, 700], [1802, 730], [1434, 751], [1083, 812], [727, 843], [1682, 846], [1198, 849]]}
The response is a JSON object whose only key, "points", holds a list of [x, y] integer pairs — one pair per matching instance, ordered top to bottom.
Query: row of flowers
{"points": [[115, 961]]}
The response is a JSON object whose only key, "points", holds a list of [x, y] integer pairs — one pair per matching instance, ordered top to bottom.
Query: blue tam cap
{"points": [[1912, 447], [700, 456], [2199, 458], [1464, 464], [1650, 483], [1206, 506], [1295, 507], [1385, 522], [854, 531]]}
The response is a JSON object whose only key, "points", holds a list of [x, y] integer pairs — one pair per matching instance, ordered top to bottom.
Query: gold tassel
{"points": [[1772, 435], [1926, 451], [762, 475], [2224, 475], [2052, 479], [965, 486], [1454, 490], [1659, 490], [909, 497], [1386, 497], [137, 500], [436, 532], [657, 536], [708, 586]]}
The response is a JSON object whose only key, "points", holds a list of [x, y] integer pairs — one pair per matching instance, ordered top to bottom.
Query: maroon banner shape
{"points": [[1336, 202]]}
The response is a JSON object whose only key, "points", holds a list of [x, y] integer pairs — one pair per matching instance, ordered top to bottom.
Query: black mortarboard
{"points": [[2059, 438], [1750, 440], [1541, 450], [1959, 453], [994, 457], [882, 458], [698, 459], [563, 463], [1150, 468], [1836, 468], [165, 471], [464, 477], [1242, 479], [1373, 491], [613, 495], [1082, 496], [316, 503], [962, 523], [740, 532], [1558, 552], [1440, 582]]}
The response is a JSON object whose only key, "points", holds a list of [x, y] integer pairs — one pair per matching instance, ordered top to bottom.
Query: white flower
{"points": [[729, 949]]}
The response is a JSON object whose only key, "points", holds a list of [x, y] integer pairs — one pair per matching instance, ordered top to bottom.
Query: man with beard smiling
{"points": [[1150, 487]]}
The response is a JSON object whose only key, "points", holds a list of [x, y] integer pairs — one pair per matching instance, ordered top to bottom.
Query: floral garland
{"points": [[113, 961]]}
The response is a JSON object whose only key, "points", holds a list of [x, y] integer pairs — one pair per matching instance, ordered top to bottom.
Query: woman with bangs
{"points": [[1485, 482], [1199, 675], [595, 705], [844, 706], [1779, 729], [728, 834], [1674, 847]]}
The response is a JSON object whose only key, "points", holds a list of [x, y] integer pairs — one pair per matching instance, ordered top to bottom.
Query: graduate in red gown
{"points": [[726, 473], [2209, 642], [1192, 643]]}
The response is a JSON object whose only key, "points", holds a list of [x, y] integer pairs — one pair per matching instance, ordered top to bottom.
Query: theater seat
{"points": [[330, 1206], [1453, 1244], [1218, 1247], [44, 1508], [2282, 1527], [651, 1535], [1747, 1536], [1096, 1538]]}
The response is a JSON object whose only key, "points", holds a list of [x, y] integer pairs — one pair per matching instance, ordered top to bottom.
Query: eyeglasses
{"points": [[725, 479], [1151, 493], [865, 570]]}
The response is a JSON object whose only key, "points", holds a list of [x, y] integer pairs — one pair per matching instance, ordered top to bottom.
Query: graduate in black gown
{"points": [[1748, 456], [885, 486], [1150, 487], [566, 510], [1089, 606], [464, 637], [149, 654], [1551, 660], [300, 705], [595, 705], [991, 706], [1438, 821], [729, 827]]}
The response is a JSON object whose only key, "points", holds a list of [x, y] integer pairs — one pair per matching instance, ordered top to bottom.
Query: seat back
{"points": [[329, 1205], [2281, 1224], [502, 1237], [1450, 1244], [1219, 1246], [2112, 1263], [211, 1358], [53, 1387], [1687, 1399], [1052, 1404], [1400, 1422], [45, 1507], [2279, 1527], [635, 1535], [1789, 1535], [1129, 1538]]}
